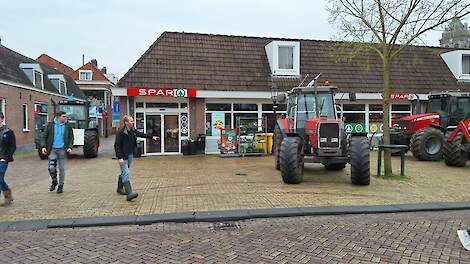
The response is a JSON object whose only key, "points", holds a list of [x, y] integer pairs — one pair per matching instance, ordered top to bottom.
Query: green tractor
{"points": [[85, 128]]}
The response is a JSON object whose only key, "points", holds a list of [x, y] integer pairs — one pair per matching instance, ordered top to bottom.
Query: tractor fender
{"points": [[283, 125], [442, 129]]}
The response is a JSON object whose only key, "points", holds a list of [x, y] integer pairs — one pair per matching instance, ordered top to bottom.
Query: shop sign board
{"points": [[161, 92], [399, 96], [116, 114], [217, 122], [354, 127], [376, 127], [228, 141]]}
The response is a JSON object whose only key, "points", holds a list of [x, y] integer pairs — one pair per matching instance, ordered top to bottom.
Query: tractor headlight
{"points": [[323, 140], [334, 140]]}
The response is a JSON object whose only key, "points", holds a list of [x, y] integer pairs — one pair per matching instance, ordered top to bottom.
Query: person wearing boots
{"points": [[57, 141], [125, 147], [7, 148]]}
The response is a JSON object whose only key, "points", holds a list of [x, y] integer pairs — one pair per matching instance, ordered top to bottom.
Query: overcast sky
{"points": [[117, 32]]}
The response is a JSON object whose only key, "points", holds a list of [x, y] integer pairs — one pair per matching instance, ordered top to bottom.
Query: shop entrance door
{"points": [[166, 127]]}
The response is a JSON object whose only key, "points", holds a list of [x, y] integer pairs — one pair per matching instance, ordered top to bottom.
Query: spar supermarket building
{"points": [[185, 82]]}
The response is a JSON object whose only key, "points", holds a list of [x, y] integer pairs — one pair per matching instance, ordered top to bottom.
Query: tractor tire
{"points": [[91, 144], [427, 144], [277, 146], [454, 153], [42, 156], [291, 160], [360, 161], [334, 166]]}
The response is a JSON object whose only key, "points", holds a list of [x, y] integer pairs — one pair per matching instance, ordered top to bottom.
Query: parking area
{"points": [[205, 183]]}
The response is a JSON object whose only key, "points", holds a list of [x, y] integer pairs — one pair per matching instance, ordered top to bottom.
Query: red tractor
{"points": [[312, 132], [424, 133], [456, 150]]}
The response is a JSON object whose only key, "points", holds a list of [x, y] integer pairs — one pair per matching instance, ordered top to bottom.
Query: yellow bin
{"points": [[270, 142]]}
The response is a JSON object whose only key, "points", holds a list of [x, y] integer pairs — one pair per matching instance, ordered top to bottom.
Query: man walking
{"points": [[56, 140], [125, 146], [7, 148]]}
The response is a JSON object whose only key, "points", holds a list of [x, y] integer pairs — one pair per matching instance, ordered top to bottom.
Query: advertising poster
{"points": [[116, 113], [218, 122], [228, 141]]}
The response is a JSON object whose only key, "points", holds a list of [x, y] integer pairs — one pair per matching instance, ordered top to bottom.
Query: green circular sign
{"points": [[180, 93]]}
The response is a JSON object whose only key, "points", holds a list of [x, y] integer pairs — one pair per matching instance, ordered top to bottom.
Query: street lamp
{"points": [[274, 93]]}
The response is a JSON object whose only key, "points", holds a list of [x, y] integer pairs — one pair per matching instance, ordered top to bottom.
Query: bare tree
{"points": [[388, 27]]}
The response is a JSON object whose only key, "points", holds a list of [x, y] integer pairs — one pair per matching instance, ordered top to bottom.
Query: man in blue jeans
{"points": [[57, 141], [125, 146], [7, 148]]}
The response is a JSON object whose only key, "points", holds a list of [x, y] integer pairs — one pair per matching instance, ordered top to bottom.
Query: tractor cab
{"points": [[305, 105], [451, 107], [77, 113]]}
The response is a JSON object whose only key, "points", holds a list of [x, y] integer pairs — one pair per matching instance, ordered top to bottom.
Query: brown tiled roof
{"points": [[237, 63], [55, 64], [10, 71], [96, 76]]}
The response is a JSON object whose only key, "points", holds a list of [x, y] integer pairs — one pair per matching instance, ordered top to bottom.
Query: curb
{"points": [[230, 215]]}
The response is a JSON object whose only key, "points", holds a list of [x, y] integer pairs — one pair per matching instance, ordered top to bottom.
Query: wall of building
{"points": [[14, 99]]}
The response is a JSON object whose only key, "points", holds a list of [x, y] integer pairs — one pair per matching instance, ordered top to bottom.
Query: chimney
{"points": [[94, 62], [103, 70]]}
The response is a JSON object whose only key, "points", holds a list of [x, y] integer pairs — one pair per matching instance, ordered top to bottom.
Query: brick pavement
{"points": [[208, 183], [425, 237]]}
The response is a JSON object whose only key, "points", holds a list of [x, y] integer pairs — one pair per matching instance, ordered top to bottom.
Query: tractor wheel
{"points": [[393, 141], [427, 143], [91, 144], [277, 146], [454, 152], [42, 156], [291, 160], [360, 162], [334, 166]]}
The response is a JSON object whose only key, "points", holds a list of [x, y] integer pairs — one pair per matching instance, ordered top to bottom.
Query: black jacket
{"points": [[7, 144], [122, 145]]}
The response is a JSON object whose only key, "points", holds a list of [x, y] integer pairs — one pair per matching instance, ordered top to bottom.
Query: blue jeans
{"points": [[125, 168], [3, 170]]}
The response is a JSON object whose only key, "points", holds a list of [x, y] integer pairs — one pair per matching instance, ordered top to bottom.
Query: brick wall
{"points": [[14, 99], [196, 114]]}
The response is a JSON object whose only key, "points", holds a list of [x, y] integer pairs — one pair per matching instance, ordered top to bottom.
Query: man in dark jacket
{"points": [[56, 140], [125, 147], [7, 148]]}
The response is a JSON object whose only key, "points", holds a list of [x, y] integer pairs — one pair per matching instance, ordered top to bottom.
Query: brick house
{"points": [[185, 79], [95, 84], [27, 88]]}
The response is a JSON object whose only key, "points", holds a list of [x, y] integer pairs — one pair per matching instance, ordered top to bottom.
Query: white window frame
{"points": [[272, 52], [35, 67], [85, 71], [467, 75], [59, 77], [42, 79], [3, 107], [25, 109]]}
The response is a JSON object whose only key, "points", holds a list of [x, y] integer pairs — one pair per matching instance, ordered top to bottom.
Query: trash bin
{"points": [[270, 142], [201, 143]]}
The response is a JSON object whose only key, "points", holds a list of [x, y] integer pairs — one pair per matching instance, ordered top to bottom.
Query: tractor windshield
{"points": [[436, 105], [306, 107], [76, 114]]}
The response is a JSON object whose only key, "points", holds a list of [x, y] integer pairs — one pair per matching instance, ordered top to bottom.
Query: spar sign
{"points": [[161, 92]]}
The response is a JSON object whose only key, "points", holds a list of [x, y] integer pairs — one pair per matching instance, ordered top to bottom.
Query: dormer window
{"points": [[284, 57], [458, 62], [465, 64], [34, 73], [85, 75], [59, 82]]}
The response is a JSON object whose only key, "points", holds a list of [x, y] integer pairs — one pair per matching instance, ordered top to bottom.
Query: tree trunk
{"points": [[386, 114]]}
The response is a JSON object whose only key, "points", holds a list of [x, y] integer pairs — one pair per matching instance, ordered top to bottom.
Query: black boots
{"points": [[53, 185], [120, 187], [60, 189], [130, 194]]}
